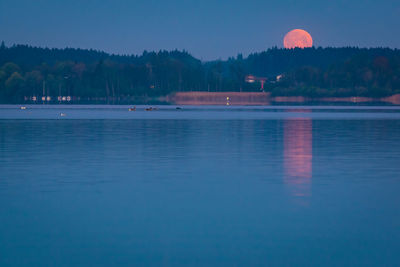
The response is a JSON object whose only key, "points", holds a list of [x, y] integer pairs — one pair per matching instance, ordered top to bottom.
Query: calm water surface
{"points": [[244, 186]]}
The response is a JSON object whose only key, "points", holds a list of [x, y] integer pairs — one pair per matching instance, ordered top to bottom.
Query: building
{"points": [[253, 79]]}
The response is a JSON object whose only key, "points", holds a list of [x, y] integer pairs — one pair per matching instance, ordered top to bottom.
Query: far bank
{"points": [[264, 98]]}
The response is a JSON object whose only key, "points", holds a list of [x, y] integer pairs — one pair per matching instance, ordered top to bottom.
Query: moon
{"points": [[297, 38]]}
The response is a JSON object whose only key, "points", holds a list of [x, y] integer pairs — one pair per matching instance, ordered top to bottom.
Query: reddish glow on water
{"points": [[298, 155]]}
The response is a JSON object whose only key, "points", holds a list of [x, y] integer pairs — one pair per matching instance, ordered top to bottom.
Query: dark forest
{"points": [[27, 72]]}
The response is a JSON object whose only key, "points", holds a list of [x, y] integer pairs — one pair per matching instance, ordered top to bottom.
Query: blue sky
{"points": [[208, 29]]}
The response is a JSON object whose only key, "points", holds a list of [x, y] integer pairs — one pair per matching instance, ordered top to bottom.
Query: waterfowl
{"points": [[23, 107], [132, 109]]}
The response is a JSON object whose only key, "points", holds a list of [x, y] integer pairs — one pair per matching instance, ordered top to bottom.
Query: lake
{"points": [[204, 186]]}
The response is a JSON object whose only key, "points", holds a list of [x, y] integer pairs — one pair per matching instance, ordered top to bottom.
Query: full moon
{"points": [[297, 38]]}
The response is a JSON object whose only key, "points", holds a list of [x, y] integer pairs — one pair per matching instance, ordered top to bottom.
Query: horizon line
{"points": [[189, 53]]}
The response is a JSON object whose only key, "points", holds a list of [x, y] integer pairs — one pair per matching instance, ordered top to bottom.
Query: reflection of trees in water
{"points": [[298, 155]]}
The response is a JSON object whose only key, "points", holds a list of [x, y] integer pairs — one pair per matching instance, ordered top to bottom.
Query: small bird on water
{"points": [[22, 107], [132, 109]]}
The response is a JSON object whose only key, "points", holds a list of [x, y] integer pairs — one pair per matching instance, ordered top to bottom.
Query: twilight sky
{"points": [[208, 29]]}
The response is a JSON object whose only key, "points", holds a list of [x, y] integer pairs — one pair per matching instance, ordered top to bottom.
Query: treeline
{"points": [[27, 72], [368, 73]]}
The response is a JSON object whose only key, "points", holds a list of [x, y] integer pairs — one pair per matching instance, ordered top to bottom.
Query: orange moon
{"points": [[297, 38]]}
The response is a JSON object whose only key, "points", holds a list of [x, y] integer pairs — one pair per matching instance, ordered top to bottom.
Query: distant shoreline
{"points": [[77, 76], [200, 98], [263, 98]]}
